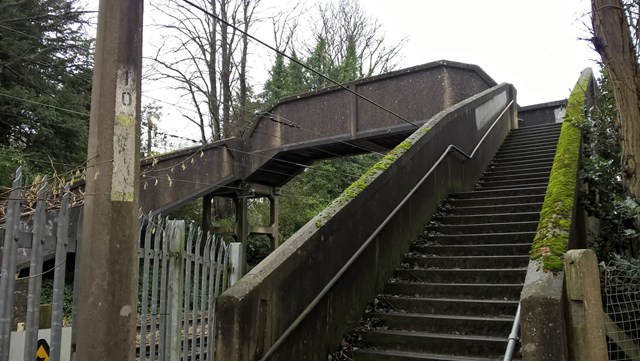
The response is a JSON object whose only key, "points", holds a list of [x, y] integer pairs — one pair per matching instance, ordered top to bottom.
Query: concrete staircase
{"points": [[455, 294]]}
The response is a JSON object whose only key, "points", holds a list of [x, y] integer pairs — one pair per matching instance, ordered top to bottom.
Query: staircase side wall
{"points": [[255, 312], [543, 326]]}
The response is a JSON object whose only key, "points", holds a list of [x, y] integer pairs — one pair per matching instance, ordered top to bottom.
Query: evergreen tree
{"points": [[320, 61], [350, 69], [295, 76], [45, 85], [277, 86]]}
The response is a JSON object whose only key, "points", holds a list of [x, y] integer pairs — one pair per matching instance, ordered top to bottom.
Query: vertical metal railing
{"points": [[15, 236], [35, 274], [7, 275], [59, 277], [179, 281], [177, 304]]}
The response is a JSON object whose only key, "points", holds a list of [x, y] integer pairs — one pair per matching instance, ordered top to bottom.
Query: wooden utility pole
{"points": [[106, 316]]}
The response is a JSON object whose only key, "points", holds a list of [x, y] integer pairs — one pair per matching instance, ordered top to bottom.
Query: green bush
{"points": [[604, 197]]}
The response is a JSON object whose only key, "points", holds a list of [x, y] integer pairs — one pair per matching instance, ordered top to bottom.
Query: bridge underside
{"points": [[299, 130]]}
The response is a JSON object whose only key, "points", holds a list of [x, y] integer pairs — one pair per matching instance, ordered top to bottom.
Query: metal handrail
{"points": [[366, 243], [513, 337]]}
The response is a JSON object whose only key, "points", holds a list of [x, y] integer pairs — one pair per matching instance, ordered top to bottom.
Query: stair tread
{"points": [[506, 187], [481, 191], [510, 205], [488, 214], [484, 224], [476, 245], [447, 257], [456, 284], [387, 297], [441, 316], [438, 335], [420, 355]]}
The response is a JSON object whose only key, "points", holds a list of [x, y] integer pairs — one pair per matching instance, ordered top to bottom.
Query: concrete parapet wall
{"points": [[543, 113], [255, 312], [543, 327]]}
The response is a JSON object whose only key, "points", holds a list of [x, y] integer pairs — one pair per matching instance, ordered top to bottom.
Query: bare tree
{"points": [[346, 21], [616, 26], [205, 59]]}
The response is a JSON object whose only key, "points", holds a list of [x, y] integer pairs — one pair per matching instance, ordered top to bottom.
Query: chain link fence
{"points": [[621, 301]]}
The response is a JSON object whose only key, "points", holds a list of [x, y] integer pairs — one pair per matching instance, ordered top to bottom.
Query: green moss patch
{"points": [[367, 177], [552, 236]]}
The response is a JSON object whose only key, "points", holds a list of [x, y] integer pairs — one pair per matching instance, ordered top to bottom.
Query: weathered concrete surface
{"points": [[543, 113], [319, 125], [261, 306], [542, 316], [586, 333]]}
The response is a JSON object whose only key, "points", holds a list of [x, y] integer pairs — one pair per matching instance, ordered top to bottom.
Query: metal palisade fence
{"points": [[38, 231], [181, 273], [179, 286]]}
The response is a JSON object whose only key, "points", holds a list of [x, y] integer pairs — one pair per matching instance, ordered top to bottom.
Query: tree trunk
{"points": [[612, 39], [243, 58], [225, 71], [214, 104]]}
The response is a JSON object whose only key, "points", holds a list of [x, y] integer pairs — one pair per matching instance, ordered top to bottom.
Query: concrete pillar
{"points": [[206, 213], [275, 218], [242, 227], [107, 253], [586, 333]]}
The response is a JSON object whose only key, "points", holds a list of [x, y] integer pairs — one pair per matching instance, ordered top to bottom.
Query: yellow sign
{"points": [[42, 351]]}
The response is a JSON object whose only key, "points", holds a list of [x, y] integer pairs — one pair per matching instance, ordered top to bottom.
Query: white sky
{"points": [[532, 44]]}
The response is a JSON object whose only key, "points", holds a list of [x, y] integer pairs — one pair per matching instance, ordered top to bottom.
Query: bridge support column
{"points": [[274, 200], [206, 213], [242, 226]]}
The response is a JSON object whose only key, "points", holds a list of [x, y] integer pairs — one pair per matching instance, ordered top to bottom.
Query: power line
{"points": [[302, 64], [45, 105]]}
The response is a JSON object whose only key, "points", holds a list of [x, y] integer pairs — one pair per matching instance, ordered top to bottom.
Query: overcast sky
{"points": [[532, 44]]}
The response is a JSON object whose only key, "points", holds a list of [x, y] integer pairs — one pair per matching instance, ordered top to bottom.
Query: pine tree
{"points": [[45, 85], [277, 86]]}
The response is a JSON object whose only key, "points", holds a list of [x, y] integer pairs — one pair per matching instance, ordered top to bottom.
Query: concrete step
{"points": [[539, 126], [539, 129], [529, 138], [532, 141], [530, 145], [511, 151], [534, 157], [529, 162], [515, 166], [492, 172], [492, 177], [514, 182], [494, 187], [498, 193], [504, 200], [515, 208], [489, 218], [526, 226], [485, 238], [511, 249], [465, 262], [475, 275], [487, 291], [450, 306], [489, 326], [463, 345], [368, 354], [396, 355]]}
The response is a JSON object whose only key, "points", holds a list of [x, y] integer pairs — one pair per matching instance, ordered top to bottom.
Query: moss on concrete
{"points": [[367, 177], [552, 236]]}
